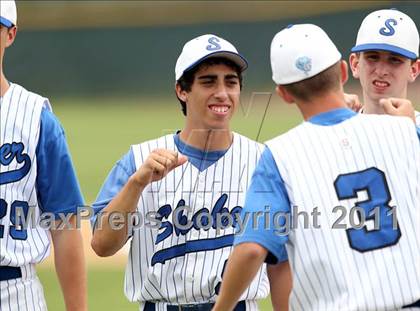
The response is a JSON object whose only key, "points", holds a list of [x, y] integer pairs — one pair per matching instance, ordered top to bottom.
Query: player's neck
{"points": [[4, 85], [321, 104], [207, 140]]}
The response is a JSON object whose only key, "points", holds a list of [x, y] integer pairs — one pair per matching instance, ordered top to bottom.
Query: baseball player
{"points": [[385, 60], [367, 166], [37, 179], [191, 180]]}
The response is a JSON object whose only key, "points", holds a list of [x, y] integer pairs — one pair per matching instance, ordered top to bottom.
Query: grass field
{"points": [[99, 132]]}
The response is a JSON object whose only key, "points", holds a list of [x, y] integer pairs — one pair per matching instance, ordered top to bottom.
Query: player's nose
{"points": [[382, 69], [221, 91]]}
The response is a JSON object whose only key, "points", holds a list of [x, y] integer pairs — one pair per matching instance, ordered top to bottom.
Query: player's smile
{"points": [[221, 110]]}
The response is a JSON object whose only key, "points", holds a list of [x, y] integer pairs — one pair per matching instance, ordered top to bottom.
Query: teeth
{"points": [[381, 84], [220, 109]]}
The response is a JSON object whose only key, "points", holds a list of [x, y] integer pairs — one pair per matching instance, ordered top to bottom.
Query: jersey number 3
{"points": [[373, 181]]}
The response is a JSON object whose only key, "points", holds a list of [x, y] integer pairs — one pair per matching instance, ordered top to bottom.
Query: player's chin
{"points": [[219, 123]]}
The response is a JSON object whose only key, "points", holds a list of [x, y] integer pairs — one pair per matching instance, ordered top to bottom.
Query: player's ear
{"points": [[11, 35], [354, 64], [414, 70], [344, 71], [180, 93], [283, 93]]}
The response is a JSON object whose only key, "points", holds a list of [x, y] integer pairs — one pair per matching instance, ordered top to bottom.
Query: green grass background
{"points": [[100, 131]]}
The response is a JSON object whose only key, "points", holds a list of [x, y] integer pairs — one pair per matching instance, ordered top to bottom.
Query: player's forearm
{"points": [[110, 233], [242, 266], [70, 267], [280, 278]]}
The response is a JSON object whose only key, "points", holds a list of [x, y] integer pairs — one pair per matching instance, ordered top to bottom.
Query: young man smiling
{"points": [[385, 59], [190, 178]]}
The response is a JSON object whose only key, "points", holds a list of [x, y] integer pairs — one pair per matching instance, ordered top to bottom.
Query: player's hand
{"points": [[353, 102], [398, 107], [157, 165]]}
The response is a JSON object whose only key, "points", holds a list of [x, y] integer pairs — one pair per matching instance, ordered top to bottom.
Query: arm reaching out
{"points": [[107, 240], [243, 264]]}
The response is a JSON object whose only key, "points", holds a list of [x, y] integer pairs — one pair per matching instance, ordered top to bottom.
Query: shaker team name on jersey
{"points": [[8, 153], [219, 218]]}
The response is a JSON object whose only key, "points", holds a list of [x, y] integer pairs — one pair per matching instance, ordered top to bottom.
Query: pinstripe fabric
{"points": [[20, 112], [329, 274], [192, 275], [24, 294]]}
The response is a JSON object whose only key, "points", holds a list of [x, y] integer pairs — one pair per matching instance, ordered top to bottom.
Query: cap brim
{"points": [[5, 22], [384, 47], [234, 57]]}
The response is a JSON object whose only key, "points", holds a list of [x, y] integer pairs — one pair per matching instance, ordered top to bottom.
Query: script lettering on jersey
{"points": [[8, 153], [203, 219]]}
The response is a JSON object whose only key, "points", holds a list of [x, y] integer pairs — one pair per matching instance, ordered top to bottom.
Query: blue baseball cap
{"points": [[388, 30]]}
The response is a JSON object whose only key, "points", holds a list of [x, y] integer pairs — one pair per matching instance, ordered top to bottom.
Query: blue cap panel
{"points": [[5, 22], [384, 47]]}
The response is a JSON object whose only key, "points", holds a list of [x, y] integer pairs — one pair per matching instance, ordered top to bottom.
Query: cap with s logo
{"points": [[8, 14], [388, 30], [204, 47]]}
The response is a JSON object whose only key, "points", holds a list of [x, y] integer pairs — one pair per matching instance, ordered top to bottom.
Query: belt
{"points": [[9, 273], [413, 305], [150, 306]]}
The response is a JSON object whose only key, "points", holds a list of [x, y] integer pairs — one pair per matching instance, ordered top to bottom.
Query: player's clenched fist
{"points": [[353, 102], [398, 107], [157, 165]]}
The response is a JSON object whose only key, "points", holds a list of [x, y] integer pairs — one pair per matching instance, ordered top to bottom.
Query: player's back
{"points": [[368, 161]]}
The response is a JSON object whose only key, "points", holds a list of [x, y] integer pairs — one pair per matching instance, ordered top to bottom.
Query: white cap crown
{"points": [[8, 13], [388, 30], [203, 47], [300, 52]]}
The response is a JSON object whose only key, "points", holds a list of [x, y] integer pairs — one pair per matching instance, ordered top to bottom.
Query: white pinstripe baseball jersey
{"points": [[20, 114], [417, 115], [368, 161], [34, 169], [175, 266]]}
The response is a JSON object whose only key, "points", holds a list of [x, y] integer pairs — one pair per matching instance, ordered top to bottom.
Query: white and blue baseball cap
{"points": [[8, 14], [388, 30], [204, 47], [300, 52]]}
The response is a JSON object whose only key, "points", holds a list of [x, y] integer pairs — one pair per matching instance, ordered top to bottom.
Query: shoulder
{"points": [[30, 98], [417, 116], [245, 141]]}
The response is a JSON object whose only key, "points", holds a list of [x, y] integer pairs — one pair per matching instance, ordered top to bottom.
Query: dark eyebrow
{"points": [[396, 55], [231, 76], [213, 77]]}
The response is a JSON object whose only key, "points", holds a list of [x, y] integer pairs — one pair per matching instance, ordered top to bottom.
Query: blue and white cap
{"points": [[8, 14], [388, 30], [204, 47], [300, 52]]}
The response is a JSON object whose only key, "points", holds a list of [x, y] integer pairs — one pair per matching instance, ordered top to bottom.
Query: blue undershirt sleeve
{"points": [[418, 131], [113, 184], [57, 187], [266, 196]]}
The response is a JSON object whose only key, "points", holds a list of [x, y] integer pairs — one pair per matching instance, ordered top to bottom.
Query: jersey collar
{"points": [[332, 117]]}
